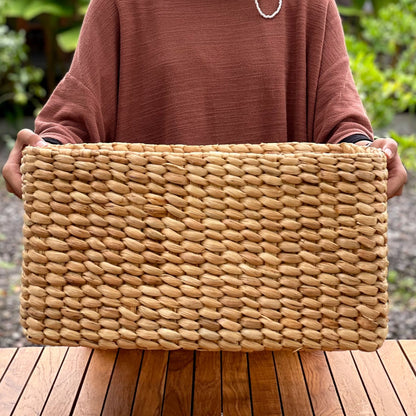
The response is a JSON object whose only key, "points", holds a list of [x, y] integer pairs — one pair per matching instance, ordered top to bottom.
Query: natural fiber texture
{"points": [[231, 247]]}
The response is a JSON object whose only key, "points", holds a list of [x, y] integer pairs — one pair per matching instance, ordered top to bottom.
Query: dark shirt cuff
{"points": [[354, 138], [50, 140]]}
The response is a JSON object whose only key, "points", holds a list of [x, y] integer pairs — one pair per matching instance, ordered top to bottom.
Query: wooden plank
{"points": [[409, 348], [6, 356], [400, 374], [14, 381], [41, 381], [68, 382], [207, 384], [377, 384], [320, 385], [151, 386], [94, 388], [235, 388], [122, 389], [264, 390], [178, 391], [351, 391], [293, 392]]}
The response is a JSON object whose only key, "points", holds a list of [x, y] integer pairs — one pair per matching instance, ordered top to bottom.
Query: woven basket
{"points": [[228, 247]]}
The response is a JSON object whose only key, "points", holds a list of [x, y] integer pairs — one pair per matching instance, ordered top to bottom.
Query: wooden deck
{"points": [[62, 381]]}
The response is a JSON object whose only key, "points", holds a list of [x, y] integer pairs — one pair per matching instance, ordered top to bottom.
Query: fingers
{"points": [[388, 146], [11, 169], [397, 173], [397, 178]]}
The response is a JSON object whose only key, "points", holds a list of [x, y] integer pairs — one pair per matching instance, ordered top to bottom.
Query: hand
{"points": [[11, 169], [397, 173]]}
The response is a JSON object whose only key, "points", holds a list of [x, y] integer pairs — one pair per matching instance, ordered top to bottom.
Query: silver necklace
{"points": [[268, 16]]}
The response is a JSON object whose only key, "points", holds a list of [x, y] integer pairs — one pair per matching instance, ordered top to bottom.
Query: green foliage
{"points": [[376, 4], [2, 7], [357, 7], [28, 9], [72, 10], [393, 29], [392, 36], [68, 39], [383, 59], [19, 82], [372, 83], [407, 149], [4, 265], [402, 289]]}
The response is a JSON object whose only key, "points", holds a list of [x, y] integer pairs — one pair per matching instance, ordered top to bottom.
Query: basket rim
{"points": [[305, 149]]}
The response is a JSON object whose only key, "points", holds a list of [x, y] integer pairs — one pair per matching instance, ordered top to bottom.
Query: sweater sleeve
{"points": [[83, 106], [339, 112]]}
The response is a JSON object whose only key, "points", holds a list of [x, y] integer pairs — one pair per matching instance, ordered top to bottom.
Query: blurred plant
{"points": [[360, 7], [72, 10], [60, 21], [392, 30], [392, 37], [383, 59], [20, 83], [372, 83], [407, 149], [5, 265], [402, 289]]}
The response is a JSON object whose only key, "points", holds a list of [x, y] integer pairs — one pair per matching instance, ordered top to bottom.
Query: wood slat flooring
{"points": [[60, 381]]}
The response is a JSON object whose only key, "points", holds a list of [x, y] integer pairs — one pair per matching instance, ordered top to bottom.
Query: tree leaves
{"points": [[29, 9], [68, 39]]}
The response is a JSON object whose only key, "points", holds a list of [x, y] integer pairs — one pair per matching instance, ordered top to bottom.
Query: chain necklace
{"points": [[268, 16]]}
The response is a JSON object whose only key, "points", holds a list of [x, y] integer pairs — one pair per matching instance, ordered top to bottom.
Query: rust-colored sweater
{"points": [[207, 71]]}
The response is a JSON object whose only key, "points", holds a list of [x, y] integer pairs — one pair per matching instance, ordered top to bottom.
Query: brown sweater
{"points": [[207, 71]]}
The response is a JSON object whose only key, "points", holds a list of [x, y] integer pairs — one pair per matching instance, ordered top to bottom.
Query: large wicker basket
{"points": [[228, 247]]}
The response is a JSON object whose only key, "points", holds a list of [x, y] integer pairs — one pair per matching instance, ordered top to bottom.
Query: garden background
{"points": [[38, 37]]}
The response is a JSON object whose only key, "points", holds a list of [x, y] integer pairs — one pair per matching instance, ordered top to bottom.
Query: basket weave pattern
{"points": [[230, 247]]}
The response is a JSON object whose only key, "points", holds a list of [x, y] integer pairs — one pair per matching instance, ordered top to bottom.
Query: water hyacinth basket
{"points": [[225, 247]]}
